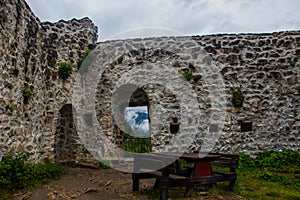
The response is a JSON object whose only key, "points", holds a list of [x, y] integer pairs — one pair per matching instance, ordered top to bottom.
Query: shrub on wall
{"points": [[119, 60], [64, 70], [188, 75], [27, 93], [237, 97]]}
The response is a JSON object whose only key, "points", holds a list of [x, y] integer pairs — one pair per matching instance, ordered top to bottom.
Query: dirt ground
{"points": [[108, 184]]}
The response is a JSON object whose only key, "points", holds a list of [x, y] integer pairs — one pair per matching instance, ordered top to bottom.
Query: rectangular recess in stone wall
{"points": [[246, 126], [213, 128]]}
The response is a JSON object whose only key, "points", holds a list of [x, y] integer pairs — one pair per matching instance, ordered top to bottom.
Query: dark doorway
{"points": [[65, 137]]}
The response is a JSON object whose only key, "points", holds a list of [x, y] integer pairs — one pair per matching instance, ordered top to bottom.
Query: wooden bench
{"points": [[228, 161], [168, 172]]}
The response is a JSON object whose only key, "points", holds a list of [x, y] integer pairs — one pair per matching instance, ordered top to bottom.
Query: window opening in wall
{"points": [[137, 121], [137, 129]]}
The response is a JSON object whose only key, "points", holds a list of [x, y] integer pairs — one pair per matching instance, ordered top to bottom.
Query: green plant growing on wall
{"points": [[120, 60], [242, 60], [80, 61], [293, 63], [64, 70], [188, 75], [27, 94], [237, 97], [10, 107]]}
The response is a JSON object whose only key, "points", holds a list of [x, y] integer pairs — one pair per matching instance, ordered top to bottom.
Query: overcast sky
{"points": [[189, 17]]}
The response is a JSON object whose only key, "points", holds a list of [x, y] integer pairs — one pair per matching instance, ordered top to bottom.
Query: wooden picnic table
{"points": [[201, 161], [164, 166]]}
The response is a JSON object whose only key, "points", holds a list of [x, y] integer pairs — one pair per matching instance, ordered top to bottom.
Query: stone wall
{"points": [[30, 53], [264, 66]]}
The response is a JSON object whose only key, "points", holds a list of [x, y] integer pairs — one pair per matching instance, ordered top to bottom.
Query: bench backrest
{"points": [[226, 160]]}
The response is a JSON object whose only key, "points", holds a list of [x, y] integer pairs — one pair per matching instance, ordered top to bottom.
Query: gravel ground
{"points": [[107, 184]]}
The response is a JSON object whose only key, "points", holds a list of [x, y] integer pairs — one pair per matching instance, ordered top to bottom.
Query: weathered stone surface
{"points": [[30, 53], [265, 66], [264, 84]]}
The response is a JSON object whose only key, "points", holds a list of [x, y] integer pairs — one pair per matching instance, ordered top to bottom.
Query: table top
{"points": [[190, 156]]}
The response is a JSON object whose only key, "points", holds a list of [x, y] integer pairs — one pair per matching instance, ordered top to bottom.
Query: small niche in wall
{"points": [[174, 125], [246, 126], [213, 128]]}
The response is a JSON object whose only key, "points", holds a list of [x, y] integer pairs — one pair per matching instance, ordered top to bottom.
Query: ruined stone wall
{"points": [[30, 53], [264, 66]]}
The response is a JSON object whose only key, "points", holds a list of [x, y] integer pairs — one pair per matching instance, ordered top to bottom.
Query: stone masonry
{"points": [[30, 54], [265, 66]]}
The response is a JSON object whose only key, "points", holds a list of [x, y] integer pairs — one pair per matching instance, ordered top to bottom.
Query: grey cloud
{"points": [[186, 16]]}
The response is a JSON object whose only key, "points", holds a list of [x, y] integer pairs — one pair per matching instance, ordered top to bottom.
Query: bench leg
{"points": [[135, 183], [157, 183], [232, 183], [164, 186], [189, 191]]}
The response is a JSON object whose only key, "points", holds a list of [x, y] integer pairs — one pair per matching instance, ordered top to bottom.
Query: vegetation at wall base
{"points": [[137, 145], [104, 165], [16, 172], [271, 175]]}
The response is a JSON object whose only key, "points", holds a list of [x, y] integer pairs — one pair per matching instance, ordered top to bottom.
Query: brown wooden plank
{"points": [[223, 173], [193, 181]]}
